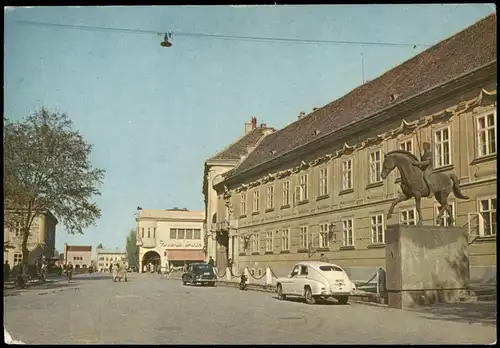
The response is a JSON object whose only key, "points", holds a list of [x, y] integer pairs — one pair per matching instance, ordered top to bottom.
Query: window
{"points": [[486, 134], [406, 145], [442, 155], [375, 167], [347, 174], [323, 181], [301, 189], [286, 193], [270, 197], [256, 199], [243, 203], [446, 216], [407, 217], [488, 217], [377, 229], [143, 232], [149, 232], [154, 232], [347, 232], [173, 233], [180, 233], [189, 234], [197, 234], [304, 237], [285, 239], [269, 241], [324, 241], [254, 243], [18, 258]]}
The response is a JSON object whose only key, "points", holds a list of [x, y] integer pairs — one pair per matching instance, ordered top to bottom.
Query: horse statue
{"points": [[414, 184]]}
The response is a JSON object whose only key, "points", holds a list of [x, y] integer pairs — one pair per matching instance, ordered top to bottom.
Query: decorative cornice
{"points": [[483, 99]]}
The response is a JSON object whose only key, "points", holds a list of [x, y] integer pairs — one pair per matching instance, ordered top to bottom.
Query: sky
{"points": [[155, 114]]}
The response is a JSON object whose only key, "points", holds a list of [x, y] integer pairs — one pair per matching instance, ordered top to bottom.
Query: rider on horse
{"points": [[427, 166]]}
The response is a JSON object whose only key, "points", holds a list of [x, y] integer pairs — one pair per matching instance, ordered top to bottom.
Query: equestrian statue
{"points": [[419, 181]]}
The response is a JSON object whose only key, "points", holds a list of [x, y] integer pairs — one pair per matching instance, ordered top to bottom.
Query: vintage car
{"points": [[199, 273], [316, 279]]}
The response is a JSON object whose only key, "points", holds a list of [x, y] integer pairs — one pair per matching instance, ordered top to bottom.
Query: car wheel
{"points": [[212, 284], [279, 290], [309, 296], [342, 299]]}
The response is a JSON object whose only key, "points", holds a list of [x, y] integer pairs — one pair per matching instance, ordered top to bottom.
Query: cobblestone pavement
{"points": [[150, 309]]}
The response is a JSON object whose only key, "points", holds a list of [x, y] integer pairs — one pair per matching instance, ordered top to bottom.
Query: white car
{"points": [[316, 279]]}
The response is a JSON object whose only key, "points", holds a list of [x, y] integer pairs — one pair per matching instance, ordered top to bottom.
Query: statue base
{"points": [[426, 265]]}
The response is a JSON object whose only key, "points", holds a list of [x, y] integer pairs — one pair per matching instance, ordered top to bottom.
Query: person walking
{"points": [[323, 258], [211, 261], [69, 271]]}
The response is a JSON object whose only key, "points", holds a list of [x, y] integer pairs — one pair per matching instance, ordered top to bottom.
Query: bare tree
{"points": [[47, 168]]}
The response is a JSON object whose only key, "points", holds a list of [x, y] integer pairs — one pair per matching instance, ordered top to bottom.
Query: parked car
{"points": [[199, 273], [316, 279]]}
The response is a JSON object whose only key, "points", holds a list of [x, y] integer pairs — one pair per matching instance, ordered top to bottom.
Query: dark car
{"points": [[199, 273]]}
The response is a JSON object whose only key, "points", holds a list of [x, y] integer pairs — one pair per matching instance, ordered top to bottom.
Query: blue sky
{"points": [[156, 114]]}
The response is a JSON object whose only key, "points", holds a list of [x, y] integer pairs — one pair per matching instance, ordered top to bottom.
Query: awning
{"points": [[184, 255]]}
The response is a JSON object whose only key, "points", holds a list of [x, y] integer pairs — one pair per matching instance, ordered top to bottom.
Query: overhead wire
{"points": [[218, 36]]}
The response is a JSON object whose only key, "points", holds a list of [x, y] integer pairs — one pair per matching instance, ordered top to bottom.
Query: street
{"points": [[152, 310]]}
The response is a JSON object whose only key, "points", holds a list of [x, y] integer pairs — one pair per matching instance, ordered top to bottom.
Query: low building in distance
{"points": [[173, 236], [80, 256], [106, 257]]}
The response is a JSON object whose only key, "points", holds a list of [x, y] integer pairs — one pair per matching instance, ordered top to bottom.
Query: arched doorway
{"points": [[151, 257]]}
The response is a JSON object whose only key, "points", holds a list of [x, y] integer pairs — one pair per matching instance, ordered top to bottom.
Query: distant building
{"points": [[173, 236], [41, 241], [79, 255], [105, 257]]}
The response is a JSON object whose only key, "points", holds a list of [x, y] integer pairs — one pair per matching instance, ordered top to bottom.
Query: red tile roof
{"points": [[462, 53], [239, 147], [78, 248]]}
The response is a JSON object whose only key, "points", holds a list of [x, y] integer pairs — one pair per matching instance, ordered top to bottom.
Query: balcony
{"points": [[146, 242]]}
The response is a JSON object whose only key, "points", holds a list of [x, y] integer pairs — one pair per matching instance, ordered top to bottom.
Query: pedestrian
{"points": [[323, 258], [211, 261], [110, 267], [185, 267], [6, 271], [69, 271]]}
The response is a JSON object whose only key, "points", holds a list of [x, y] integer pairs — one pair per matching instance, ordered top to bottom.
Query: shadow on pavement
{"points": [[92, 277], [326, 302], [471, 312]]}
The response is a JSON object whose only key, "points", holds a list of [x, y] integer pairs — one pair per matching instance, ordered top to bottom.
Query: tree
{"points": [[47, 168], [131, 248]]}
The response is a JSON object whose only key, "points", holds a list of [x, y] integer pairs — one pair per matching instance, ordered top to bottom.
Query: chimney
{"points": [[302, 115], [263, 125], [249, 126]]}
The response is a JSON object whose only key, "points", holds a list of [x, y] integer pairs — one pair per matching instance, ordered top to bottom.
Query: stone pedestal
{"points": [[425, 265]]}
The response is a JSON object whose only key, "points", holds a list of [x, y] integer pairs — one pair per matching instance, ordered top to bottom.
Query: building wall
{"points": [[477, 180], [212, 201], [161, 222], [39, 234], [105, 258], [79, 259]]}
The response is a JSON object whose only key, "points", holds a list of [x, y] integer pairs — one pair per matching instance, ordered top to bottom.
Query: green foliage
{"points": [[47, 168], [131, 248]]}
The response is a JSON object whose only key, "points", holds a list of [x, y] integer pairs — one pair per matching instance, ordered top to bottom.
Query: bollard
{"points": [[228, 273], [247, 273], [269, 276]]}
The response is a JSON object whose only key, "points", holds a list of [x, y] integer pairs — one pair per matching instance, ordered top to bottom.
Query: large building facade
{"points": [[315, 186], [173, 237], [41, 241], [216, 246]]}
